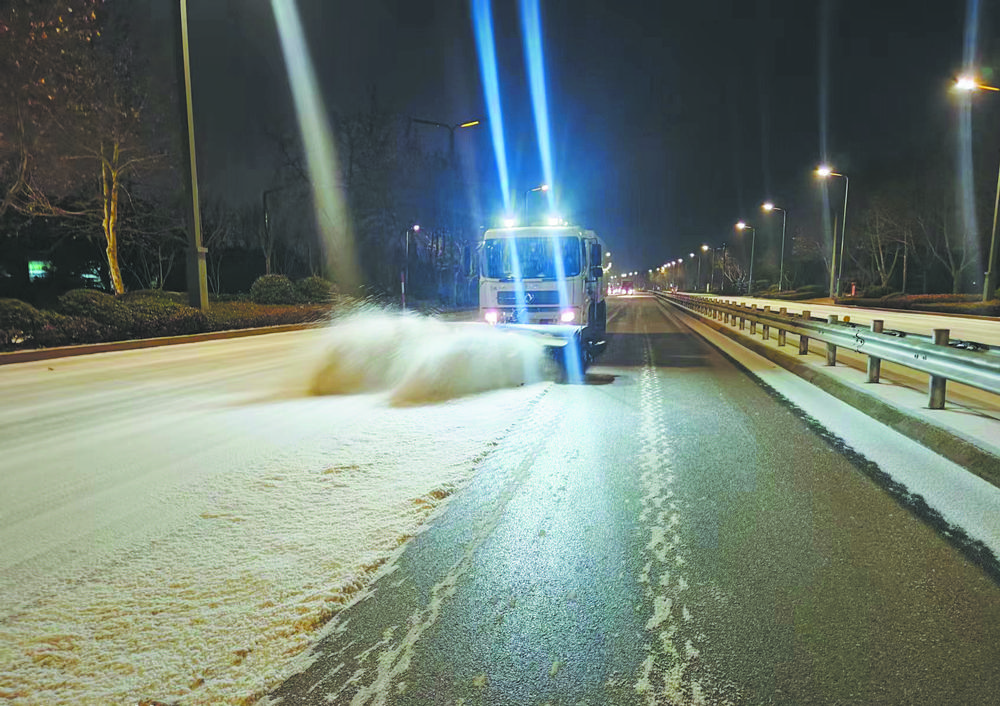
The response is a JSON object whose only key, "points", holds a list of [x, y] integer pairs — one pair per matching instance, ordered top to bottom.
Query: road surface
{"points": [[671, 533]]}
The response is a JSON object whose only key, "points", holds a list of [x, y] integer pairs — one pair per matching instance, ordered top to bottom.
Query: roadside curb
{"points": [[36, 354], [946, 443]]}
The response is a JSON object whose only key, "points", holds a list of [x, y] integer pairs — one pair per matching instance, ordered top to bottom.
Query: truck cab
{"points": [[547, 278]]}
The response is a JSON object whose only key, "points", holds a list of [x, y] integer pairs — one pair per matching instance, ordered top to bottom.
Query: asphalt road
{"points": [[668, 533]]}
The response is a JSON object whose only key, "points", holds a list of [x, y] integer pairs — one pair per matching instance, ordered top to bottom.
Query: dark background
{"points": [[670, 120]]}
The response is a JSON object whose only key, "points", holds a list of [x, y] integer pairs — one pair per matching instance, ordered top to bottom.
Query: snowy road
{"points": [[180, 524], [671, 533]]}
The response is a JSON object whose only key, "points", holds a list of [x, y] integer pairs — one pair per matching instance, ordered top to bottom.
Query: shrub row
{"points": [[278, 289], [810, 291], [943, 303], [90, 316], [225, 316]]}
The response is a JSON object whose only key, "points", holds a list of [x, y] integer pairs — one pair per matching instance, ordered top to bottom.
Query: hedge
{"points": [[273, 289], [314, 290], [970, 304], [103, 308], [90, 316], [224, 316], [18, 321]]}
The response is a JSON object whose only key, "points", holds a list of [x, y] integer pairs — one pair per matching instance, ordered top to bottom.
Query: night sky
{"points": [[671, 120]]}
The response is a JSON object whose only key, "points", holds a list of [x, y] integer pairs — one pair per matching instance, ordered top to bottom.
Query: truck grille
{"points": [[540, 297]]}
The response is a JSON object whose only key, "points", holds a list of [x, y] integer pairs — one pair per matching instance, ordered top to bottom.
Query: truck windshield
{"points": [[535, 256]]}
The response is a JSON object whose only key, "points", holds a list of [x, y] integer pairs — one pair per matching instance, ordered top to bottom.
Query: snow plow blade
{"points": [[562, 342]]}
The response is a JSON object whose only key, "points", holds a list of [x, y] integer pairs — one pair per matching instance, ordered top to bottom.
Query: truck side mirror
{"points": [[596, 272]]}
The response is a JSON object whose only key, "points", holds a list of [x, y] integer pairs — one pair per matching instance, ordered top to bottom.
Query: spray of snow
{"points": [[417, 359]]}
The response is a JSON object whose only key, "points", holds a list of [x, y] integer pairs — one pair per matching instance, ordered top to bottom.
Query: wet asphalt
{"points": [[669, 532]]}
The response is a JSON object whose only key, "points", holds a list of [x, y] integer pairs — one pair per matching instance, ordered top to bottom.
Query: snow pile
{"points": [[418, 359]]}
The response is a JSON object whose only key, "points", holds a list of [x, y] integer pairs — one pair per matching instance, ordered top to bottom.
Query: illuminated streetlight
{"points": [[968, 84], [451, 132], [825, 171], [524, 202], [768, 206], [742, 225], [415, 228]]}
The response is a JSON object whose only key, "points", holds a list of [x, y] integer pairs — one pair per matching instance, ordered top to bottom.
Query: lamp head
{"points": [[966, 83]]}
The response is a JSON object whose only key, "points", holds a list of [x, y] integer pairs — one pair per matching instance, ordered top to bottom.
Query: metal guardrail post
{"points": [[753, 323], [765, 332], [781, 332], [804, 340], [831, 350], [967, 362], [875, 364], [937, 384]]}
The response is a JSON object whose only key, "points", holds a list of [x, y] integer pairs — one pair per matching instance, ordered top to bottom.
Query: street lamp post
{"points": [[969, 84], [451, 132], [825, 171], [524, 201], [768, 207], [415, 228], [753, 241], [704, 249], [197, 271]]}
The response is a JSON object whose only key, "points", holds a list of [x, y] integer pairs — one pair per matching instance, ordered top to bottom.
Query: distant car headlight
{"points": [[492, 316], [567, 316]]}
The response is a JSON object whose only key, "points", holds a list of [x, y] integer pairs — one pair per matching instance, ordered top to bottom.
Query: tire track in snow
{"points": [[671, 652], [377, 669]]}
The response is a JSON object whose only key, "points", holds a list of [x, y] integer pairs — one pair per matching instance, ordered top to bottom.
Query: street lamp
{"points": [[969, 84], [451, 132], [824, 171], [524, 201], [768, 207], [741, 225], [415, 228], [704, 249], [197, 273]]}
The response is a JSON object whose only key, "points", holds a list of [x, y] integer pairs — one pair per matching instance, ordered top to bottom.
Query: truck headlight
{"points": [[491, 316], [567, 316]]}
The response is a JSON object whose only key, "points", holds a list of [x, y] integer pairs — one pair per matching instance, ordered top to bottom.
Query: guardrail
{"points": [[967, 362]]}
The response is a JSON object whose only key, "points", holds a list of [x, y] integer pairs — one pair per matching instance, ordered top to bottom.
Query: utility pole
{"points": [[197, 272]]}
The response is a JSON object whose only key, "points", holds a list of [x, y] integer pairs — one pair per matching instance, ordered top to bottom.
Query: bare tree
{"points": [[45, 51], [935, 219], [221, 234], [881, 240]]}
